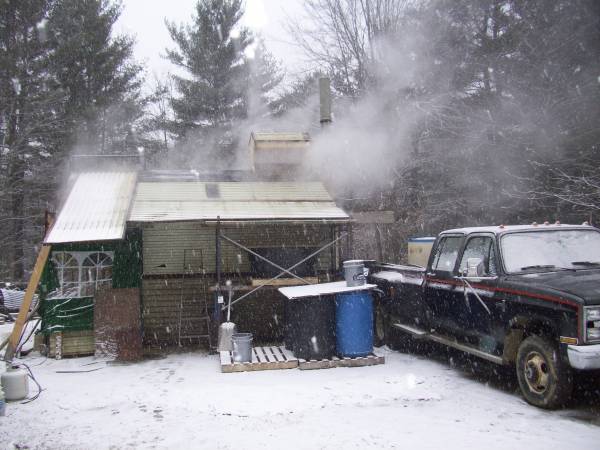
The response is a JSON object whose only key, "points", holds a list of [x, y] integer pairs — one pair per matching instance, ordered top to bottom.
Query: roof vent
{"points": [[212, 190]]}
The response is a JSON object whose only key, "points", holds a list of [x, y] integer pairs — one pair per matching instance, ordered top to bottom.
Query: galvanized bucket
{"points": [[354, 272], [242, 347]]}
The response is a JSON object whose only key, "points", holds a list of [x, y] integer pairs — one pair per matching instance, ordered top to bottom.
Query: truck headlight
{"points": [[592, 314], [592, 323], [593, 334]]}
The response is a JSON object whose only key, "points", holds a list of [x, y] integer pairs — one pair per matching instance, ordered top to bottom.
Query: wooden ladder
{"points": [[188, 268]]}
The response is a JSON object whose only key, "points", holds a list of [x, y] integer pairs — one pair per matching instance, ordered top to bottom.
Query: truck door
{"points": [[441, 286], [473, 303]]}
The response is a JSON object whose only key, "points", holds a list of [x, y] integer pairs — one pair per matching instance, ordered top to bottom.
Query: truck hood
{"points": [[582, 285]]}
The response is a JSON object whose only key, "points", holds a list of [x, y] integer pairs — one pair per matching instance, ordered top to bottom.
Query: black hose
{"points": [[23, 342]]}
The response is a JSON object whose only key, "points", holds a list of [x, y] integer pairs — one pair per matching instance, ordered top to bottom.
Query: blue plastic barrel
{"points": [[354, 323]]}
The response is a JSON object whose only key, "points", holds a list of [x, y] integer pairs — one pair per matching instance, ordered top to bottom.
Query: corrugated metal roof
{"points": [[280, 136], [194, 191], [163, 202], [96, 209]]}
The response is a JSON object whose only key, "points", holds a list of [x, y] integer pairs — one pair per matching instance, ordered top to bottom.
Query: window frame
{"points": [[442, 240], [493, 246], [81, 257]]}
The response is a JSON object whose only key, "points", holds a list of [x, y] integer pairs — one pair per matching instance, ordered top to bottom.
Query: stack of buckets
{"points": [[354, 314]]}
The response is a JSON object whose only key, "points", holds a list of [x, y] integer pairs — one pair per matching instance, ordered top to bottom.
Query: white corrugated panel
{"points": [[186, 191], [163, 202], [96, 209], [165, 211], [11, 299]]}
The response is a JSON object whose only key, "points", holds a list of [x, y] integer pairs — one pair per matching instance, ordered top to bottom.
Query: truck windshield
{"points": [[539, 251]]}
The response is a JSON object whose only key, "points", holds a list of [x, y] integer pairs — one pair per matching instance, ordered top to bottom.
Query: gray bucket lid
{"points": [[354, 262]]}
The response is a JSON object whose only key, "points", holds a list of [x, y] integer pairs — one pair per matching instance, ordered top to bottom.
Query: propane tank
{"points": [[15, 383]]}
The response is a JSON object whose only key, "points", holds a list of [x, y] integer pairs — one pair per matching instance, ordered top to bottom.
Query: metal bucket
{"points": [[354, 272], [242, 347]]}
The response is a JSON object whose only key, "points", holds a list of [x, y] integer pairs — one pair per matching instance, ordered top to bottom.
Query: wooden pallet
{"points": [[263, 358], [360, 361]]}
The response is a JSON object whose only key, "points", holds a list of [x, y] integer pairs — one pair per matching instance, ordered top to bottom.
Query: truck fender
{"points": [[521, 327]]}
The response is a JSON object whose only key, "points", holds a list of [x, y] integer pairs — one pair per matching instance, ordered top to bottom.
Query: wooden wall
{"points": [[164, 245], [163, 282], [162, 300]]}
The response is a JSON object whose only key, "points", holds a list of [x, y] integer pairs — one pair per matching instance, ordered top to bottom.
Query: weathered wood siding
{"points": [[164, 245], [162, 300]]}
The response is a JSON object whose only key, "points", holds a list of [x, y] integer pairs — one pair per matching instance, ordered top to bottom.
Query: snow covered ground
{"points": [[183, 401]]}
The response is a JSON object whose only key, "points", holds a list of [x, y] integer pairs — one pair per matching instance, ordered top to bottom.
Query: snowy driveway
{"points": [[183, 401]]}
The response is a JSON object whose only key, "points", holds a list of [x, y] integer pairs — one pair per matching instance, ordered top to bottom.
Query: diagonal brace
{"points": [[237, 244], [312, 255]]}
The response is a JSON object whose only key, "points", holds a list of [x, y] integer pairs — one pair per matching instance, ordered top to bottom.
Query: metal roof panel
{"points": [[279, 136], [185, 191], [172, 201], [96, 208], [167, 211]]}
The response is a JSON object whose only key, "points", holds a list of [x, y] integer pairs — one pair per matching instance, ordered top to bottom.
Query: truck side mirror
{"points": [[475, 268]]}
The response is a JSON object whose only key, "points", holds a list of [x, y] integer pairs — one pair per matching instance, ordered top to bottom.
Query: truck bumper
{"points": [[584, 357]]}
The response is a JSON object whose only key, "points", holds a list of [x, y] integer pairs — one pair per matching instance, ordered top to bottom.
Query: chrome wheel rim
{"points": [[537, 372]]}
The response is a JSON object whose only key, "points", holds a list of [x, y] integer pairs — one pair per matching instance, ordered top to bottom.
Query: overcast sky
{"points": [[144, 19]]}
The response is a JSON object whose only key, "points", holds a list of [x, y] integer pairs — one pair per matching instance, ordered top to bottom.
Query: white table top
{"points": [[313, 290]]}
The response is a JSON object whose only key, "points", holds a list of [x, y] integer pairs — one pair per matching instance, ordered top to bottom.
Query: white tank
{"points": [[15, 384]]}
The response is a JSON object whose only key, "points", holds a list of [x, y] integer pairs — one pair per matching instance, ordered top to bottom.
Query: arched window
{"points": [[67, 269], [96, 272], [81, 273]]}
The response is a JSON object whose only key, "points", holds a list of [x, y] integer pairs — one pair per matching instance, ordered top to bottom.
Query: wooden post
{"points": [[379, 243], [218, 253], [17, 330]]}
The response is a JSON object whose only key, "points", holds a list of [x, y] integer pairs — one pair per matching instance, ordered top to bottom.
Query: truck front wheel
{"points": [[545, 380]]}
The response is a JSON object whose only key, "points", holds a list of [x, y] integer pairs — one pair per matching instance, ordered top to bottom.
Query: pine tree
{"points": [[96, 69], [264, 76], [213, 94], [30, 121]]}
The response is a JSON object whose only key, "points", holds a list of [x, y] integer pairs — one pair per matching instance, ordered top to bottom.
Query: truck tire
{"points": [[380, 326], [385, 334], [545, 380]]}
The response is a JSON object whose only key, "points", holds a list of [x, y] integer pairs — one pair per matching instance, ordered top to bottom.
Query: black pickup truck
{"points": [[527, 296]]}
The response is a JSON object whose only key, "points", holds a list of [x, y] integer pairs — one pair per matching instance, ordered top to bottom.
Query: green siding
{"points": [[127, 268], [67, 314], [77, 314]]}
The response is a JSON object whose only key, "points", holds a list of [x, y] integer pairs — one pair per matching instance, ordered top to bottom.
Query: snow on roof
{"points": [[273, 136], [177, 201], [96, 208], [500, 229]]}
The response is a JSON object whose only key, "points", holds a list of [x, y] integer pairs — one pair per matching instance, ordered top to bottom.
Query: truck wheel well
{"points": [[521, 328]]}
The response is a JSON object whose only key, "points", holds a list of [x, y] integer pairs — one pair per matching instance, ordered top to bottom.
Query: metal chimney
{"points": [[325, 101]]}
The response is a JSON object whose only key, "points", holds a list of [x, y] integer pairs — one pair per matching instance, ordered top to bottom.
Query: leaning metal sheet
{"points": [[96, 208]]}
